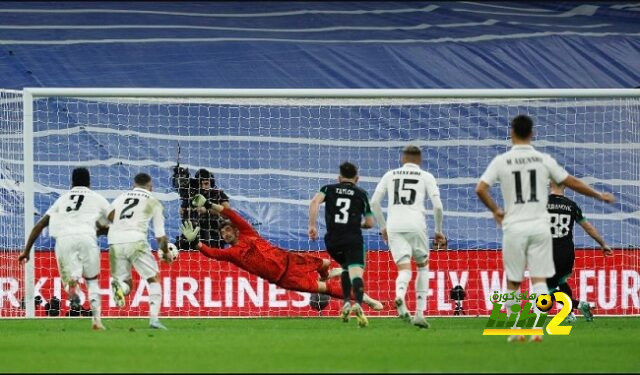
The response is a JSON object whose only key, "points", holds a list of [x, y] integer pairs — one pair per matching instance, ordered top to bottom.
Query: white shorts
{"points": [[404, 245], [528, 245], [137, 254], [78, 256]]}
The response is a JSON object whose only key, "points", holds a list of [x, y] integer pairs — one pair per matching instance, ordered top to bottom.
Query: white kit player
{"points": [[524, 175], [73, 221], [406, 230], [128, 245]]}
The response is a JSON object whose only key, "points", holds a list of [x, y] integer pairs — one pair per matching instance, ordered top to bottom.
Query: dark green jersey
{"points": [[345, 205], [564, 213]]}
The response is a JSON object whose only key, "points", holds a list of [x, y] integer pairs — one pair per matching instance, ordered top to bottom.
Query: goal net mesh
{"points": [[271, 155]]}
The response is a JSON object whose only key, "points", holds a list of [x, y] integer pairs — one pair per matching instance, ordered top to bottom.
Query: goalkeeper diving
{"points": [[252, 253]]}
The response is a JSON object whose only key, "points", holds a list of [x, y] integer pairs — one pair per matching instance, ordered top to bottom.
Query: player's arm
{"points": [[560, 175], [484, 185], [579, 186], [224, 200], [224, 203], [202, 204], [376, 205], [314, 207], [438, 211], [369, 220], [102, 224], [243, 226], [158, 228], [101, 230], [35, 232], [593, 232], [191, 234], [215, 253]]}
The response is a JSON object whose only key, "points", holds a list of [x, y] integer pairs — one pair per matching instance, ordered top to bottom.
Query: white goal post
{"points": [[301, 135]]}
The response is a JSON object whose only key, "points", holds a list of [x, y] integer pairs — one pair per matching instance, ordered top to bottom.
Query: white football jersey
{"points": [[524, 174], [407, 187], [133, 211], [76, 212]]}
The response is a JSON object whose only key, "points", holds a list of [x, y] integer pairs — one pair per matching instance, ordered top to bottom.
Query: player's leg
{"points": [[420, 251], [401, 253], [337, 254], [563, 260], [355, 261], [540, 262], [514, 263], [147, 267], [70, 269], [91, 269], [120, 269], [345, 282], [357, 284], [155, 301], [575, 304], [583, 306]]}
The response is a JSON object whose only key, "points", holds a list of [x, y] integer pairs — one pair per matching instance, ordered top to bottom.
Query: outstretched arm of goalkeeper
{"points": [[243, 226], [192, 235]]}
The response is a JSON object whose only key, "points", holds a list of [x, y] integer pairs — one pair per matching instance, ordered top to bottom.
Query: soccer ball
{"points": [[171, 255], [544, 302]]}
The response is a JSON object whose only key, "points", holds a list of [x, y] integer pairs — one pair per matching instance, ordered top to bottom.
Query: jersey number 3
{"points": [[77, 200], [343, 216]]}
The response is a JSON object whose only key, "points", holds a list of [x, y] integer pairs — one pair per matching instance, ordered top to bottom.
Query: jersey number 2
{"points": [[532, 182], [132, 202], [343, 204]]}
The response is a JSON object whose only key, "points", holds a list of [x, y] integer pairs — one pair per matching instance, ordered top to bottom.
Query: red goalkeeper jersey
{"points": [[252, 252]]}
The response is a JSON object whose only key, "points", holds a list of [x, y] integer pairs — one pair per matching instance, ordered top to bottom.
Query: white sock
{"points": [[402, 282], [422, 286], [94, 298], [155, 299]]}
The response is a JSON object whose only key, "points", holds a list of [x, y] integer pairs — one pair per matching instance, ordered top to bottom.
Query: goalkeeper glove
{"points": [[200, 201], [190, 233]]}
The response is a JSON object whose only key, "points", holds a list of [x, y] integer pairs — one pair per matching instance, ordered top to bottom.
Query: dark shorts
{"points": [[349, 254], [563, 259], [302, 273]]}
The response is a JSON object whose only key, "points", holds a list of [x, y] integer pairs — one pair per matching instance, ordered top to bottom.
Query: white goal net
{"points": [[270, 155]]}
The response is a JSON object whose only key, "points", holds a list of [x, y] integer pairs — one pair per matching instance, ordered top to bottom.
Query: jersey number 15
{"points": [[404, 186]]}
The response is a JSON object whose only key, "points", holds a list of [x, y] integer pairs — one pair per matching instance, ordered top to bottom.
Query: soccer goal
{"points": [[271, 150]]}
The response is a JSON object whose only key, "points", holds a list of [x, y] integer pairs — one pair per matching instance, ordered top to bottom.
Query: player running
{"points": [[524, 175], [346, 205], [564, 213], [73, 220], [406, 232], [128, 245], [258, 256]]}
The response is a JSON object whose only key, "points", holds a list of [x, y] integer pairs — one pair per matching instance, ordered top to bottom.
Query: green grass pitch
{"points": [[310, 345]]}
